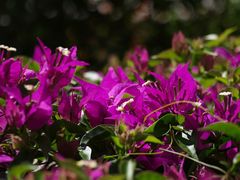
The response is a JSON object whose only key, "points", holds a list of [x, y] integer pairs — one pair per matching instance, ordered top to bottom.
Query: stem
{"points": [[183, 102], [183, 155], [110, 157]]}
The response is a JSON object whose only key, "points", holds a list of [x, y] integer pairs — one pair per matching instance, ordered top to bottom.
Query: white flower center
{"points": [[64, 51], [146, 83], [225, 93], [197, 104], [121, 108]]}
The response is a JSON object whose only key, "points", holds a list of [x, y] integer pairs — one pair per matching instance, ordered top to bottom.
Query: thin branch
{"points": [[183, 102], [183, 155]]}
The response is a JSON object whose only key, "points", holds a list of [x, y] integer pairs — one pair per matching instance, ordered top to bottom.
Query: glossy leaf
{"points": [[168, 54], [161, 126], [230, 129], [101, 131]]}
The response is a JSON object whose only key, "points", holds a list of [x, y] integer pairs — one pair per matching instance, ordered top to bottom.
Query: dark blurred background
{"points": [[105, 29]]}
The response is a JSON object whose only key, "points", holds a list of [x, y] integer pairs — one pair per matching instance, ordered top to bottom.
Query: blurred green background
{"points": [[106, 29]]}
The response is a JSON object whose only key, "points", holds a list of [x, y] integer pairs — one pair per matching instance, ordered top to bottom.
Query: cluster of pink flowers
{"points": [[157, 120]]}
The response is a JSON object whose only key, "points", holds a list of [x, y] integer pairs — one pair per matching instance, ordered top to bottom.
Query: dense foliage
{"points": [[173, 115]]}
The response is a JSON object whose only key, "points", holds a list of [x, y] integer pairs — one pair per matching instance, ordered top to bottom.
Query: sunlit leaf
{"points": [[222, 37], [167, 54], [161, 126], [230, 129], [153, 139], [149, 175]]}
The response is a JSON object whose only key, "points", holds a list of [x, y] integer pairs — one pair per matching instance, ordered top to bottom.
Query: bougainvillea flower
{"points": [[179, 43], [63, 58], [140, 59], [233, 59], [56, 70], [10, 72], [28, 74], [113, 77], [180, 86], [94, 101], [129, 104], [69, 107], [228, 109], [15, 113], [33, 114], [39, 115], [3, 122], [231, 149], [5, 159], [162, 159], [97, 172], [176, 172], [203, 173]]}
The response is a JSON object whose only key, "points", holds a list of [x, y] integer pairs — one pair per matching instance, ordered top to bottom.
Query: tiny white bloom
{"points": [[211, 37], [3, 47], [59, 48], [11, 49], [65, 52], [224, 74], [92, 76], [146, 83], [29, 87], [225, 93], [197, 104], [121, 108], [91, 164]]}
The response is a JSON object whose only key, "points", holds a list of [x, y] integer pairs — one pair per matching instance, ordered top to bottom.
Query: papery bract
{"points": [[140, 59], [233, 59], [69, 107]]}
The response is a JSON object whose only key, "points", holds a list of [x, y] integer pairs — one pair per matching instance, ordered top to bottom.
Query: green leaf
{"points": [[222, 37], [167, 54], [30, 63], [236, 75], [222, 80], [207, 82], [235, 92], [127, 95], [2, 102], [180, 119], [61, 124], [161, 126], [74, 128], [230, 129], [99, 132], [153, 139], [117, 142], [44, 144], [191, 151], [236, 159], [236, 162], [18, 171], [39, 175], [149, 175], [113, 177]]}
